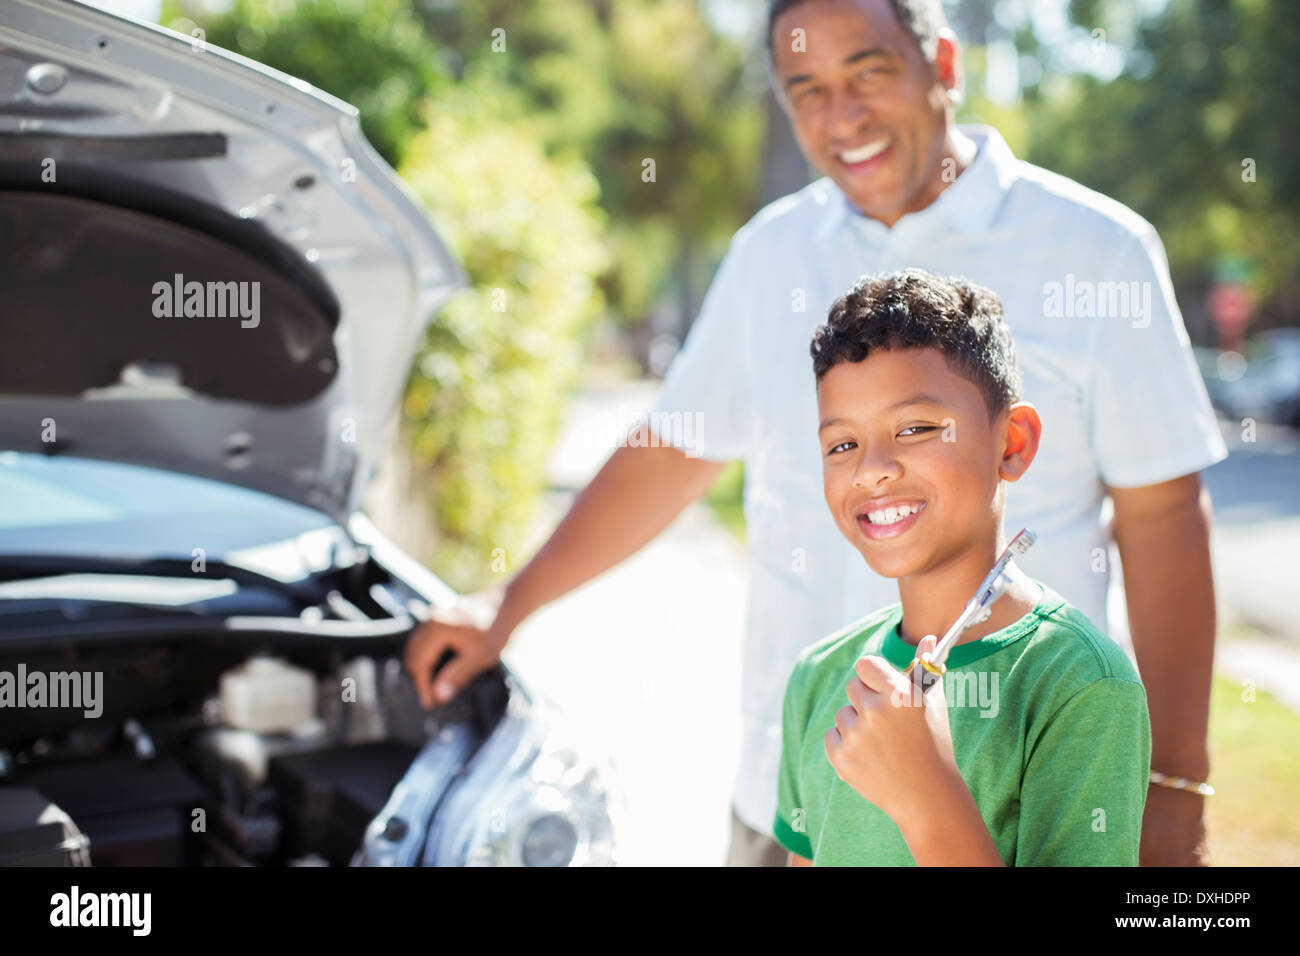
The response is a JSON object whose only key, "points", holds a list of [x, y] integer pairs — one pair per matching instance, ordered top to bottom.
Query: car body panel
{"points": [[101, 103]]}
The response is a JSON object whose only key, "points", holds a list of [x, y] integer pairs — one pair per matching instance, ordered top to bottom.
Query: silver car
{"points": [[212, 290]]}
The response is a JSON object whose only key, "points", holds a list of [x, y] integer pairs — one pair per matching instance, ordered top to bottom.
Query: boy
{"points": [[1034, 748]]}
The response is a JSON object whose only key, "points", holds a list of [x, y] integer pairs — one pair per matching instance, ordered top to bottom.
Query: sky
{"points": [[140, 9]]}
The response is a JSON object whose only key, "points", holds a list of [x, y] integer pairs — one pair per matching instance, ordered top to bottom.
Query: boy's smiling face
{"points": [[901, 432]]}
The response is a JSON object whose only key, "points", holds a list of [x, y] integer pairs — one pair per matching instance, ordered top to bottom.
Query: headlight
{"points": [[532, 795], [396, 837], [550, 840]]}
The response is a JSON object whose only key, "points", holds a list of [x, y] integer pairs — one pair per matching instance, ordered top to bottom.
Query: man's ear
{"points": [[947, 64], [1024, 431]]}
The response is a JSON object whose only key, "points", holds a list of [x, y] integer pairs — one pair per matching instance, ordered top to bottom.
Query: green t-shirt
{"points": [[1049, 727]]}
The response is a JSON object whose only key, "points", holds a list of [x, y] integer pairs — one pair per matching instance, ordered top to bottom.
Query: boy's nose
{"points": [[872, 471]]}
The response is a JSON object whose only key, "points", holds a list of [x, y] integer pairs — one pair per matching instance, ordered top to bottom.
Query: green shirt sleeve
{"points": [[1085, 780], [791, 825]]}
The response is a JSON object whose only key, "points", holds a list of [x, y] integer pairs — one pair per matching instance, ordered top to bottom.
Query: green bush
{"points": [[483, 405]]}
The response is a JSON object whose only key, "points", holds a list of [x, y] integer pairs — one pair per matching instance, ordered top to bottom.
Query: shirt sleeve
{"points": [[705, 405], [1150, 418], [1085, 781], [791, 825]]}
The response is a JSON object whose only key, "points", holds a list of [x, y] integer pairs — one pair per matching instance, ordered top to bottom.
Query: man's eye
{"points": [[871, 73], [807, 99], [917, 429], [842, 446]]}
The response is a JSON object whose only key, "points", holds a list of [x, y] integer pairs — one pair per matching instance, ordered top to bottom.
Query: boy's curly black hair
{"points": [[914, 309]]}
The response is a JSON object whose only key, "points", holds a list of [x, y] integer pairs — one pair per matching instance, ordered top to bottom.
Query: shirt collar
{"points": [[969, 205], [900, 653]]}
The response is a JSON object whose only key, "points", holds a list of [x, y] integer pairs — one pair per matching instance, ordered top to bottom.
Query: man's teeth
{"points": [[863, 153], [892, 515]]}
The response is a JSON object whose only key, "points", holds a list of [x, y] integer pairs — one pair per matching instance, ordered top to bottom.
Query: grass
{"points": [[726, 498], [1254, 745], [1255, 758]]}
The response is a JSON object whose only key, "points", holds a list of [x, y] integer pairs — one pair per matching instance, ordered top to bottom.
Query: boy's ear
{"points": [[1024, 430]]}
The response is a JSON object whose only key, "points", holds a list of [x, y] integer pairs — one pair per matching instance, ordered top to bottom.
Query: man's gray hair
{"points": [[923, 19]]}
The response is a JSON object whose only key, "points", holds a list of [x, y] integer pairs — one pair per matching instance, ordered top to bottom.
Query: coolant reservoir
{"points": [[268, 696]]}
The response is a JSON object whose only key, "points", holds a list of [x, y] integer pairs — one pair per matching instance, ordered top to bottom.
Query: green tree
{"points": [[373, 54], [619, 84], [1198, 134]]}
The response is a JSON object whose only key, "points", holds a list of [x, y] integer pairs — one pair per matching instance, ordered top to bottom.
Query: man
{"points": [[869, 87]]}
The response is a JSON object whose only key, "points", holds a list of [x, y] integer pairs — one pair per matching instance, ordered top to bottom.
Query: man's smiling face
{"points": [[867, 108], [905, 497]]}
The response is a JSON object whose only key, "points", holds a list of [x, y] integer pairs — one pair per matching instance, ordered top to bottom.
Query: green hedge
{"points": [[483, 404]]}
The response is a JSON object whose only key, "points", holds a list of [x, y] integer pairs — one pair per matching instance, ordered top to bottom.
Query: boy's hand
{"points": [[889, 745]]}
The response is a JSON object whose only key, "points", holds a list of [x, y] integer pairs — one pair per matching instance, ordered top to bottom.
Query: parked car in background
{"points": [[213, 288], [1261, 382]]}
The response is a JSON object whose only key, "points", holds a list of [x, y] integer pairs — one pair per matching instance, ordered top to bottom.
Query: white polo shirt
{"points": [[1103, 354]]}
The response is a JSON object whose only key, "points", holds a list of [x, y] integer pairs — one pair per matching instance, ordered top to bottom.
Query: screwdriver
{"points": [[977, 609]]}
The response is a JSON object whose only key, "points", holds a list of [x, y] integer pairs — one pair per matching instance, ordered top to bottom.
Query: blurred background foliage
{"points": [[375, 55], [620, 83], [1205, 86], [526, 127], [483, 405]]}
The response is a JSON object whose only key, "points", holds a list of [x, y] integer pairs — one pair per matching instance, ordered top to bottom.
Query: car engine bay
{"points": [[224, 757]]}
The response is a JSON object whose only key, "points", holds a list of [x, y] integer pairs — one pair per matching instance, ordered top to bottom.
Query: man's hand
{"points": [[470, 630], [889, 744], [1173, 831]]}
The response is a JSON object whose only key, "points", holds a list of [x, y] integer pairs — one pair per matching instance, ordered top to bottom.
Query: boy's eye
{"points": [[917, 429], [842, 446]]}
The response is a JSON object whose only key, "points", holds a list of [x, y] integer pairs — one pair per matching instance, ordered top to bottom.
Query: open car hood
{"points": [[204, 266]]}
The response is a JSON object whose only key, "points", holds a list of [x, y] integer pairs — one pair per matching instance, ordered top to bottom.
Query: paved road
{"points": [[1256, 493], [1256, 550]]}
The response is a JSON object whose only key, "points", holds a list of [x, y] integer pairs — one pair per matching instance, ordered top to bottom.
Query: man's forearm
{"points": [[634, 497], [1169, 583]]}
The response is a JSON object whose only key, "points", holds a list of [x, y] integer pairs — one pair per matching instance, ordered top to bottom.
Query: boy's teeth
{"points": [[891, 515]]}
